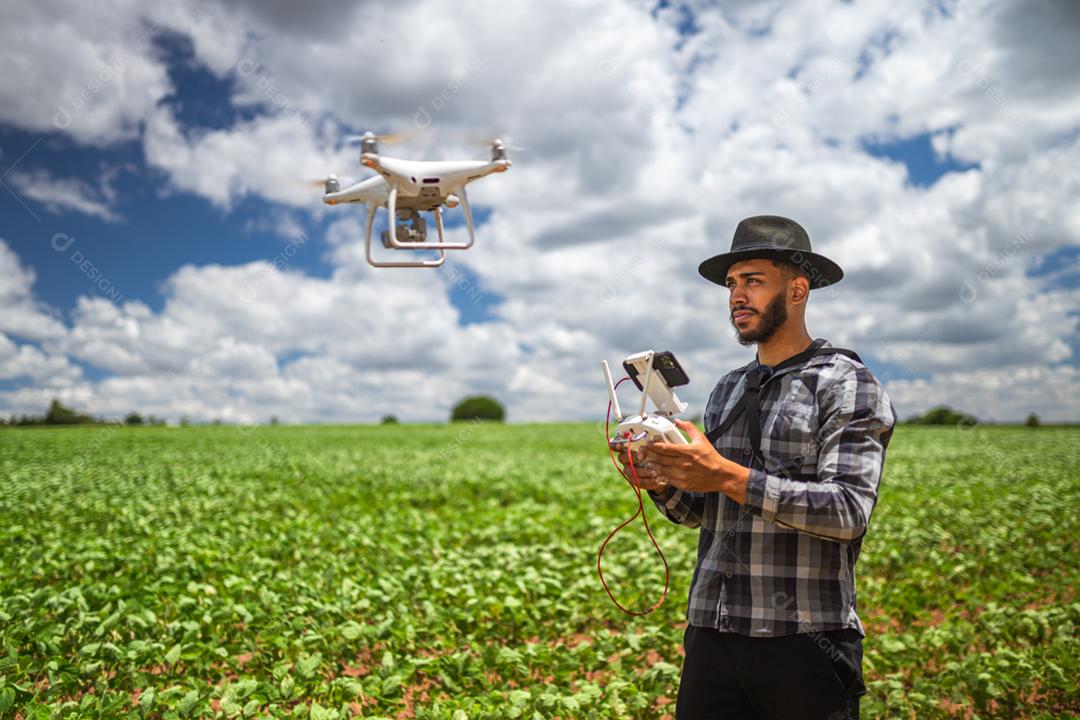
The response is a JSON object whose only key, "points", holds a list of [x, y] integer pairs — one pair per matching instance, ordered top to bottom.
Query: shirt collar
{"points": [[817, 343]]}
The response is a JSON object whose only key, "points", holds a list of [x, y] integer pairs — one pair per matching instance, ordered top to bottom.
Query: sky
{"points": [[160, 251]]}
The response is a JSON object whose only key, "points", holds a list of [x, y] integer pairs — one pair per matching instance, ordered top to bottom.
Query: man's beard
{"points": [[770, 321]]}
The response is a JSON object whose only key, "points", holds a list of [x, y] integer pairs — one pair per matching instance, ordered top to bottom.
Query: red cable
{"points": [[636, 485]]}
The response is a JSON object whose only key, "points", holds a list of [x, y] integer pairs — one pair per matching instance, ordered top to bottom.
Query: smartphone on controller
{"points": [[666, 365]]}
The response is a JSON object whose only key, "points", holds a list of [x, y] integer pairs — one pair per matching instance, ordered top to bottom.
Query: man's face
{"points": [[758, 302]]}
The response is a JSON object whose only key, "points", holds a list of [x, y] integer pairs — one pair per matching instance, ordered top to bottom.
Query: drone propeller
{"points": [[388, 138], [491, 141], [515, 148], [328, 184]]}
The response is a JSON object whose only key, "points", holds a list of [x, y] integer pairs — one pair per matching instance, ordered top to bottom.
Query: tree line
{"points": [[476, 407], [60, 414], [945, 415]]}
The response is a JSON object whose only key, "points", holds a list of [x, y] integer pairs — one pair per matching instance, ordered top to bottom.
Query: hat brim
{"points": [[820, 270]]}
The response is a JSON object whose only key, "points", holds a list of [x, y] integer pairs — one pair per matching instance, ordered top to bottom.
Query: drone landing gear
{"points": [[411, 234], [414, 235]]}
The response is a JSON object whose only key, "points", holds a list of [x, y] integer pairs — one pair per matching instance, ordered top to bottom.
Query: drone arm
{"points": [[373, 189]]}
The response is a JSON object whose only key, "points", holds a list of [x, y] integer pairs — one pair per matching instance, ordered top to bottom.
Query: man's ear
{"points": [[800, 289]]}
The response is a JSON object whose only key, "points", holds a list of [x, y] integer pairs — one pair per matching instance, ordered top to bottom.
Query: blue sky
{"points": [[141, 202]]}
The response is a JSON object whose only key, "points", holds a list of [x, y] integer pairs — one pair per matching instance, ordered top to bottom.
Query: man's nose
{"points": [[738, 296]]}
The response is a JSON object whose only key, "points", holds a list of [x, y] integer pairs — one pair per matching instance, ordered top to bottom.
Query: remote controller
{"points": [[655, 374]]}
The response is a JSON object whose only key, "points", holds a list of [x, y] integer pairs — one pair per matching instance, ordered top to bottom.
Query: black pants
{"points": [[808, 676]]}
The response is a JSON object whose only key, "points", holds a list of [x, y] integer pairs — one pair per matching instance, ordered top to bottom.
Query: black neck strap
{"points": [[750, 401]]}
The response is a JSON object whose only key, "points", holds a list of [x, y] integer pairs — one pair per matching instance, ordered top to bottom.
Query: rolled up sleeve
{"points": [[679, 506]]}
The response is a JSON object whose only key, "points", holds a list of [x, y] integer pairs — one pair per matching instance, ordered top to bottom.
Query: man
{"points": [[772, 626]]}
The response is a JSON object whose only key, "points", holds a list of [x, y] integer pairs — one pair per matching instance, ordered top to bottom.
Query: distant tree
{"points": [[478, 407], [59, 414], [943, 415], [133, 418], [273, 420], [389, 420], [1032, 420], [184, 421]]}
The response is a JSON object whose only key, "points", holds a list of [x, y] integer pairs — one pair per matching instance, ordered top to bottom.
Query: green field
{"points": [[449, 572]]}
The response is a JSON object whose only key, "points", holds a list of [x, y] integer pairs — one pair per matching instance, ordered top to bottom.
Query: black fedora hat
{"points": [[777, 238]]}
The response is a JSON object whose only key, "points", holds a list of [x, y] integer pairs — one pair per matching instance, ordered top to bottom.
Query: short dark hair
{"points": [[789, 270]]}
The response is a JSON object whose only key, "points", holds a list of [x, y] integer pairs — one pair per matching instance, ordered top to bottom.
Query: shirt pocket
{"points": [[793, 433]]}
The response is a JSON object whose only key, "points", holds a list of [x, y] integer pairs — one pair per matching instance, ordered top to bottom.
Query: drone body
{"points": [[407, 188]]}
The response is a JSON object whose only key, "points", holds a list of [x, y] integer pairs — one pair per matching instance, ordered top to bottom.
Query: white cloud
{"points": [[87, 72], [269, 157], [61, 194], [23, 316], [28, 362], [1003, 395]]}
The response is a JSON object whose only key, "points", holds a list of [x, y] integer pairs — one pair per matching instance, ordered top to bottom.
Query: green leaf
{"points": [[352, 630], [173, 655], [306, 665], [391, 685], [7, 699], [188, 702]]}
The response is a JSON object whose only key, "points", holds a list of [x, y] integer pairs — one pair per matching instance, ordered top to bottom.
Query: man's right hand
{"points": [[646, 476]]}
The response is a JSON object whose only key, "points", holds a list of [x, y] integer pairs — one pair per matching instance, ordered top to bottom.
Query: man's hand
{"points": [[696, 467], [645, 473]]}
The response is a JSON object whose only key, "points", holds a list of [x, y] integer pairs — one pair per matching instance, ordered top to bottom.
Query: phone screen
{"points": [[665, 364]]}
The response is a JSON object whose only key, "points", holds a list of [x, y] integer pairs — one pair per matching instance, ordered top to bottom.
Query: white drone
{"points": [[408, 187]]}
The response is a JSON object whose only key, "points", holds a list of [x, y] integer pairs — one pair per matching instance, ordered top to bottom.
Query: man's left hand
{"points": [[696, 467]]}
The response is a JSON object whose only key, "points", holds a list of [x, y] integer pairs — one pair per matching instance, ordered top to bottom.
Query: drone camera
{"points": [[417, 232]]}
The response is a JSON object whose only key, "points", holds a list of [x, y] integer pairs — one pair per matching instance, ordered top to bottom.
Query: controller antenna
{"points": [[611, 391]]}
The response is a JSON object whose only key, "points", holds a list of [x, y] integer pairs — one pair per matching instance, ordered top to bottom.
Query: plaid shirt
{"points": [[784, 562]]}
